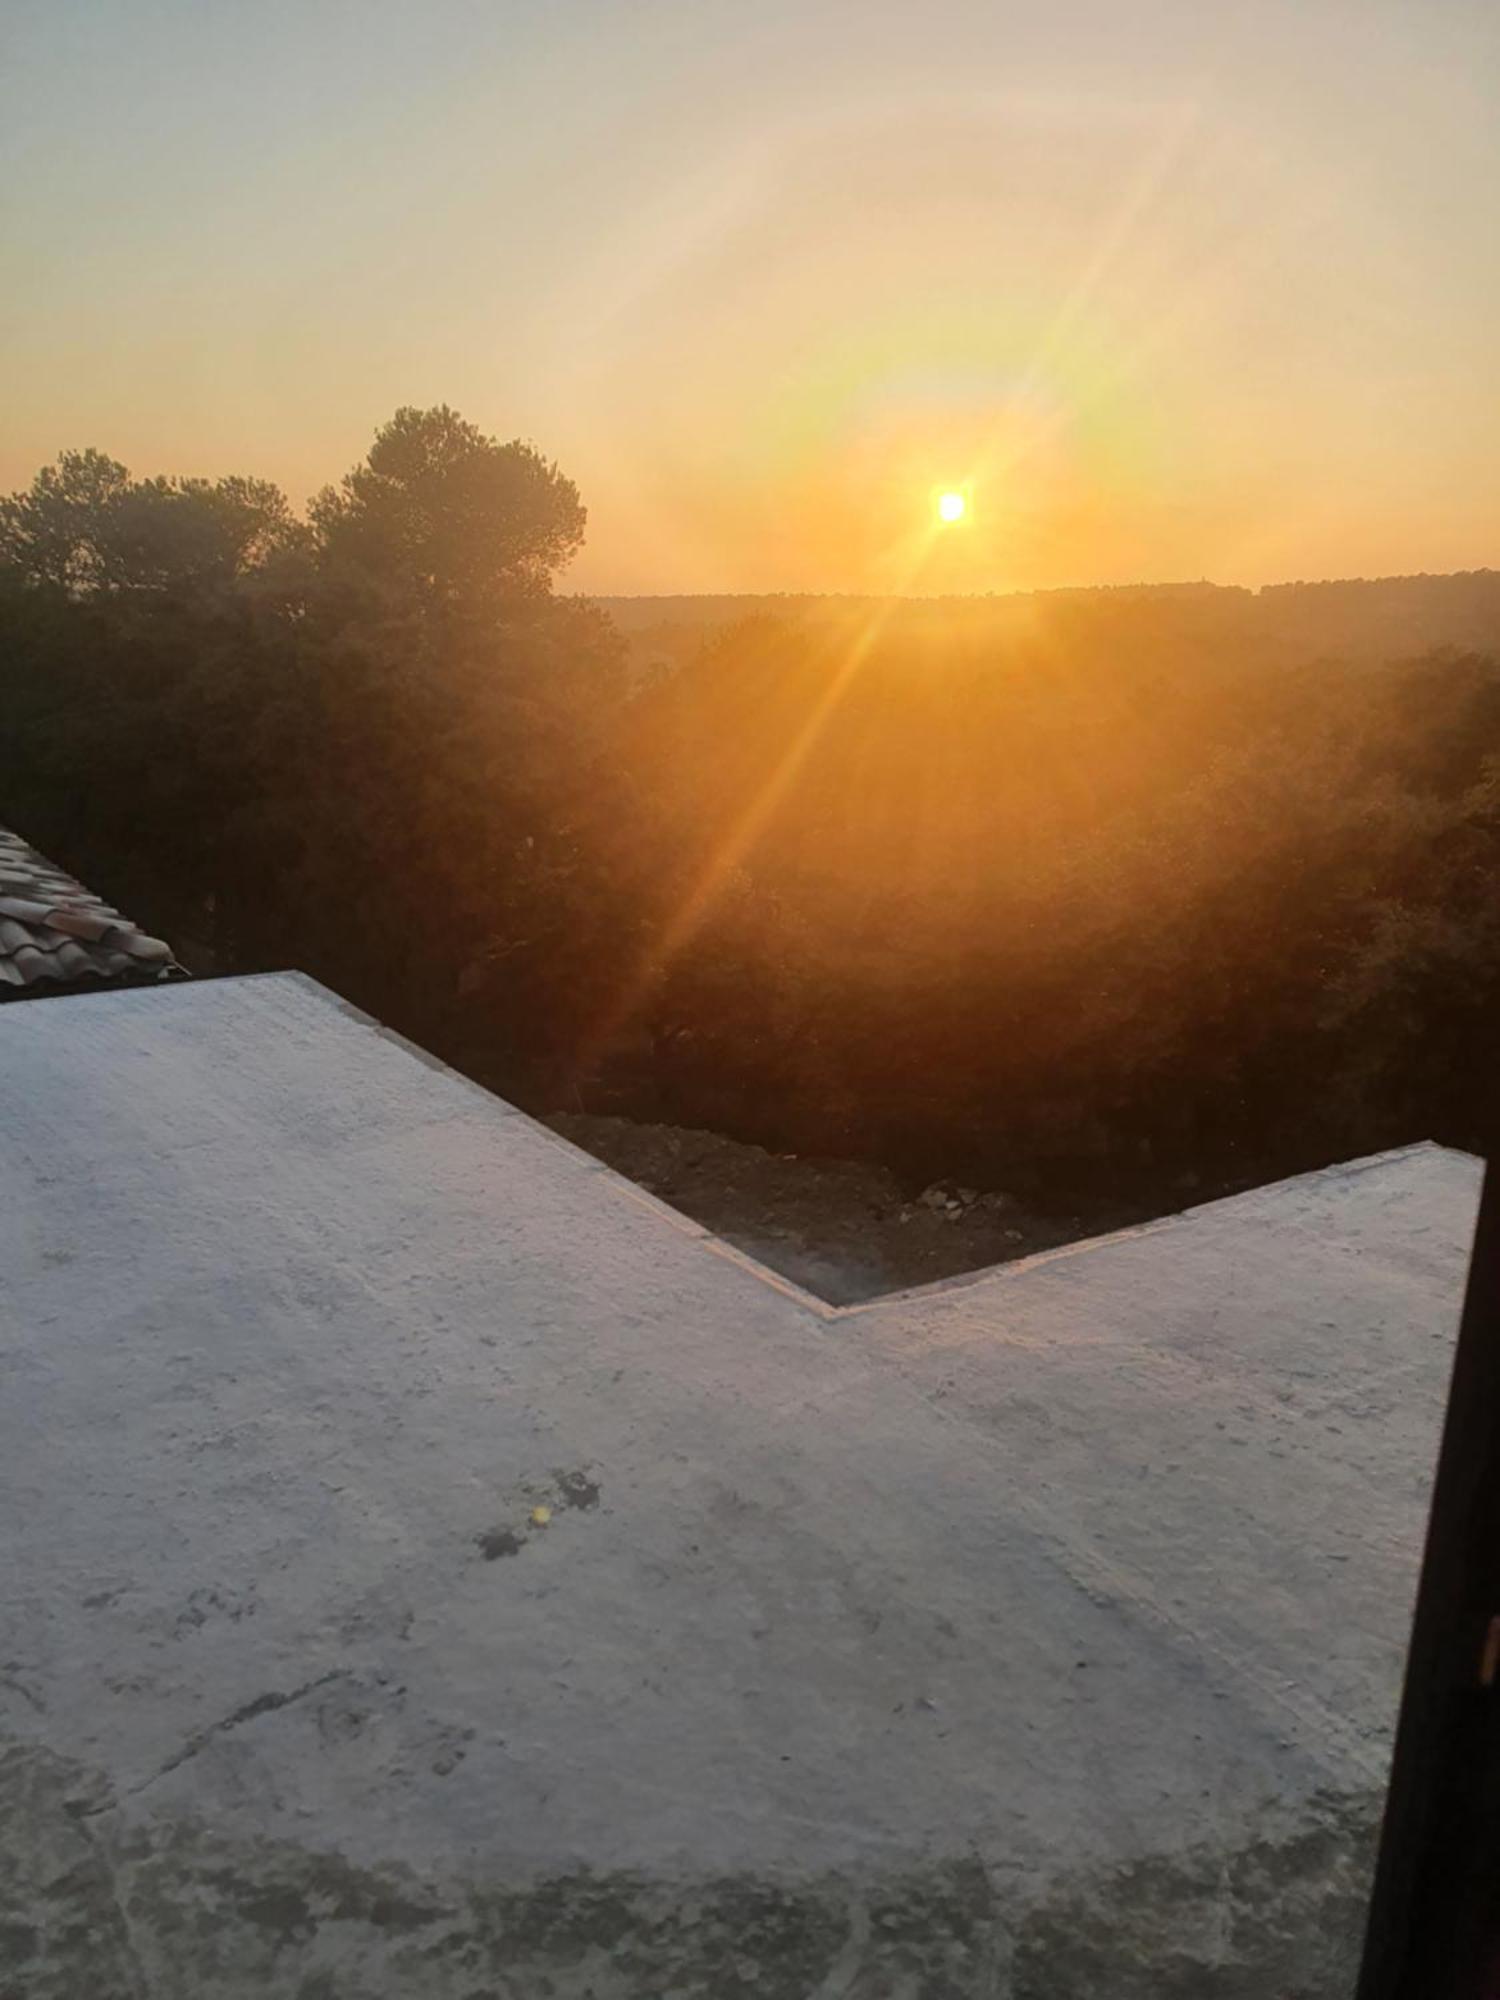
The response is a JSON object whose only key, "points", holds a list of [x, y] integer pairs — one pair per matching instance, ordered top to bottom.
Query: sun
{"points": [[952, 506]]}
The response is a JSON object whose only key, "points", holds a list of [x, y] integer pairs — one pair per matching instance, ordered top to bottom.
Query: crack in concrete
{"points": [[17, 1686], [261, 1704], [135, 1967], [839, 1980]]}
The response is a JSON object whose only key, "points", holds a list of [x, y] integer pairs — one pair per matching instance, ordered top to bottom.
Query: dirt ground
{"points": [[844, 1229]]}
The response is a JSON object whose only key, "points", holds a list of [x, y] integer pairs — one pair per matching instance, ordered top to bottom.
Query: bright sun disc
{"points": [[951, 506]]}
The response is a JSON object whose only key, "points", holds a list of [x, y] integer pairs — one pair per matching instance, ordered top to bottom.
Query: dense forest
{"points": [[1164, 889]]}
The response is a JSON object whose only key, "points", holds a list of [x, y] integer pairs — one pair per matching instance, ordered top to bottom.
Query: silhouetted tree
{"points": [[442, 513], [85, 525]]}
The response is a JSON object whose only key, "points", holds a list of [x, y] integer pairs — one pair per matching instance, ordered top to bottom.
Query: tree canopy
{"points": [[442, 512], [437, 516], [85, 525]]}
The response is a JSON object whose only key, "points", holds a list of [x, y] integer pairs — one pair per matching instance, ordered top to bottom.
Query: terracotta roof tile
{"points": [[55, 934]]}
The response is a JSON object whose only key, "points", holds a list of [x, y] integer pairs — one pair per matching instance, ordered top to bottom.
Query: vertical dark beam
{"points": [[1434, 1922]]}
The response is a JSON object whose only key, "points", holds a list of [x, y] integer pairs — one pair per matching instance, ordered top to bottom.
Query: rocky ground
{"points": [[845, 1229]]}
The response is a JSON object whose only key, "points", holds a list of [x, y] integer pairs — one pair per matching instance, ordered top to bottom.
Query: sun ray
{"points": [[693, 911]]}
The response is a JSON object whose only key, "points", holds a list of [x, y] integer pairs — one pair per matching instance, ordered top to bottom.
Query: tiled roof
{"points": [[56, 934]]}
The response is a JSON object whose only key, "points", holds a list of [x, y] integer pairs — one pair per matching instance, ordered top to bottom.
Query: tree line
{"points": [[1110, 890]]}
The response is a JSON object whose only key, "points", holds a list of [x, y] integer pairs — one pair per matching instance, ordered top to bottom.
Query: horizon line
{"points": [[1041, 590]]}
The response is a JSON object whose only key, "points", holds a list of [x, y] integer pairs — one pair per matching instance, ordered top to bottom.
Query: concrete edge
{"points": [[621, 1184], [998, 1273], [822, 1309]]}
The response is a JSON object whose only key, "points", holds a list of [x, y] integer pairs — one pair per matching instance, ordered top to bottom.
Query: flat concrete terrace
{"points": [[1034, 1635]]}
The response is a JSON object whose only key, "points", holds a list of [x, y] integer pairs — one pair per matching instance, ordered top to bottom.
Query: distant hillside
{"points": [[687, 608], [1358, 618]]}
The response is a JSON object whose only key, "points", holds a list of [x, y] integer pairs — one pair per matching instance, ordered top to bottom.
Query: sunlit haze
{"points": [[1162, 291]]}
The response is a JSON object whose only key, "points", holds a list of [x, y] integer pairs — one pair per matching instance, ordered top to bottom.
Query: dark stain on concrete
{"points": [[576, 1489], [497, 1542], [206, 1605], [167, 1907], [1283, 1915], [62, 1930]]}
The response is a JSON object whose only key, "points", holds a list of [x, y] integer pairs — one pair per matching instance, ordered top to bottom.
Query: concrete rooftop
{"points": [[1033, 1636]]}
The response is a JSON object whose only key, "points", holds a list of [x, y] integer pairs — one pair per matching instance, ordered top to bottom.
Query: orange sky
{"points": [[1171, 298]]}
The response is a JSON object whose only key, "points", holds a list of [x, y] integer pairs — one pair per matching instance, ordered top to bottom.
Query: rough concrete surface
{"points": [[431, 1567]]}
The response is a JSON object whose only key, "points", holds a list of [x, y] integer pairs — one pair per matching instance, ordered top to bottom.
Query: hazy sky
{"points": [[1175, 289]]}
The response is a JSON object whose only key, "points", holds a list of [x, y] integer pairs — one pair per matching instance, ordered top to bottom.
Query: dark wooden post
{"points": [[1434, 1922]]}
